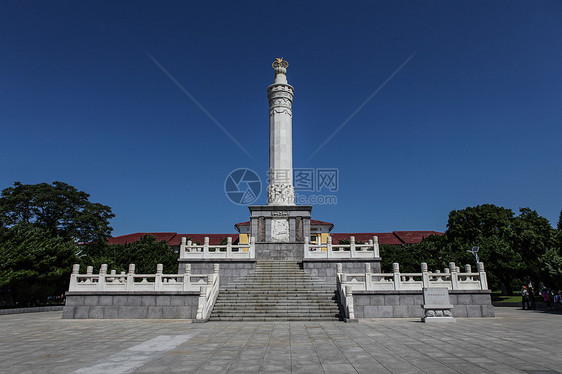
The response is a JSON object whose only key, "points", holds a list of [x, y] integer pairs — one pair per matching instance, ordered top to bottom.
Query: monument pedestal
{"points": [[279, 231], [436, 305]]}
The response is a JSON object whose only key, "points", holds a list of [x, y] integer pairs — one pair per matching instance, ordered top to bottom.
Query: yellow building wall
{"points": [[244, 238]]}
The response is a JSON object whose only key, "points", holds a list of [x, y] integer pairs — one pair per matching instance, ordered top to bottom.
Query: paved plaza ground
{"points": [[516, 341]]}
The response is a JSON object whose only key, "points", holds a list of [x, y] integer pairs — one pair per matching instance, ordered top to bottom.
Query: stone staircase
{"points": [[276, 291]]}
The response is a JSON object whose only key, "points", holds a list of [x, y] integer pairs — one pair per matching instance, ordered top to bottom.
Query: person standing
{"points": [[531, 291], [525, 298], [546, 298]]}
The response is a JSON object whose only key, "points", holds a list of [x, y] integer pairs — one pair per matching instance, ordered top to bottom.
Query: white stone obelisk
{"points": [[280, 95]]}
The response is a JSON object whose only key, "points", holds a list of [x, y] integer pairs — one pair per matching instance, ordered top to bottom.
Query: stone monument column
{"points": [[280, 190], [280, 227]]}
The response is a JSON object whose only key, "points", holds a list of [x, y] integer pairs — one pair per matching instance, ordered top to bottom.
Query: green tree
{"points": [[58, 208], [489, 227], [533, 237], [433, 250], [145, 253], [34, 264]]}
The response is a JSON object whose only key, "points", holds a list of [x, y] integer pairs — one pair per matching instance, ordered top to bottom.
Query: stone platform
{"points": [[45, 343]]}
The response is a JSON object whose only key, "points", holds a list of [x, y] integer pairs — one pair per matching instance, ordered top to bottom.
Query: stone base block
{"points": [[280, 251], [325, 269], [229, 270], [408, 304], [131, 305]]}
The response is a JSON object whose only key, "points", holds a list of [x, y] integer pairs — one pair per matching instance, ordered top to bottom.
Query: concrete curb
{"points": [[36, 309]]}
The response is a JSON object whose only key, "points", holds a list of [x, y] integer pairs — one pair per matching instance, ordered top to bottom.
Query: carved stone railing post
{"points": [[182, 246], [189, 246], [329, 246], [352, 246], [376, 246], [206, 247], [229, 247], [252, 247], [306, 247], [339, 268], [216, 269], [468, 269], [89, 270], [396, 271], [425, 275], [454, 276], [482, 276], [101, 277], [130, 277], [187, 277], [158, 278], [368, 278], [73, 280], [201, 302], [349, 302]]}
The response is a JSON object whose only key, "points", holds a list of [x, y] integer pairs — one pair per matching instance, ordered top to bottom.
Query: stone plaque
{"points": [[280, 230], [436, 297], [437, 306]]}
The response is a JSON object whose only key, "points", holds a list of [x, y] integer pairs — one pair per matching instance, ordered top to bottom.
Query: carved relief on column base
{"points": [[280, 194]]}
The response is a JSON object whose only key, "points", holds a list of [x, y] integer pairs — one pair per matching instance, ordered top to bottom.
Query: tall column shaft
{"points": [[280, 95]]}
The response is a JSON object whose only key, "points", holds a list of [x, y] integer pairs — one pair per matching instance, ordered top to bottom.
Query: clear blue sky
{"points": [[474, 117]]}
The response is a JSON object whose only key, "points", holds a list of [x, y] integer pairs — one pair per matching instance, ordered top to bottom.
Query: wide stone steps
{"points": [[276, 291], [273, 319]]}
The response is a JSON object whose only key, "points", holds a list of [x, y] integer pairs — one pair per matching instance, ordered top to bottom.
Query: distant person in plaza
{"points": [[531, 291], [525, 298], [546, 298], [557, 298]]}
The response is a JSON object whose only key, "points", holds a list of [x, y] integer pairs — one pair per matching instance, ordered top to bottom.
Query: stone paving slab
{"points": [[516, 341]]}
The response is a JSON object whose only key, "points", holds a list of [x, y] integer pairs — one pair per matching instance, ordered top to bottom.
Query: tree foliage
{"points": [[57, 208], [514, 248], [433, 250], [145, 253], [34, 263]]}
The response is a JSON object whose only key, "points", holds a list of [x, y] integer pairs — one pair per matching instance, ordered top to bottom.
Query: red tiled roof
{"points": [[315, 222], [384, 237], [395, 237], [413, 237], [130, 238], [172, 238], [214, 239]]}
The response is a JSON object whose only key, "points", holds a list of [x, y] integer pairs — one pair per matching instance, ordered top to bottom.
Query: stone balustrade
{"points": [[190, 250], [352, 250], [450, 278], [104, 281], [130, 284], [471, 285], [345, 293], [208, 295]]}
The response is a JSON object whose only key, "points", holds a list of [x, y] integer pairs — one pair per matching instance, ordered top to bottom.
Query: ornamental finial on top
{"points": [[280, 63]]}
